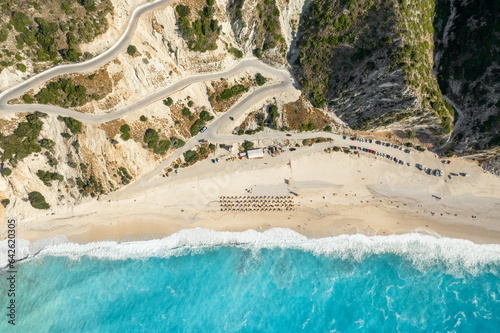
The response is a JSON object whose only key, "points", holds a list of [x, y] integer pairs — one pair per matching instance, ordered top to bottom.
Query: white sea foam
{"points": [[455, 255]]}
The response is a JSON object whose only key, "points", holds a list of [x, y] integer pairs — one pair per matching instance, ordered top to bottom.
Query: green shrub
{"points": [[182, 10], [19, 21], [4, 34], [131, 49], [237, 53], [71, 54], [21, 67], [260, 79], [230, 92], [27, 99], [168, 101], [190, 104], [186, 112], [205, 116], [143, 118], [74, 125], [196, 127], [308, 127], [124, 128], [328, 128], [125, 136], [151, 137], [23, 141], [177, 143], [47, 144], [247, 145], [162, 147], [203, 150], [191, 156], [51, 161], [7, 171], [46, 177], [37, 200], [5, 202]]}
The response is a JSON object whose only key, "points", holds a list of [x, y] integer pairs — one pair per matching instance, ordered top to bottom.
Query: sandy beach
{"points": [[338, 193]]}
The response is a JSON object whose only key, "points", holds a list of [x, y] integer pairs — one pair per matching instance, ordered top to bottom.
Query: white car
{"points": [[203, 129]]}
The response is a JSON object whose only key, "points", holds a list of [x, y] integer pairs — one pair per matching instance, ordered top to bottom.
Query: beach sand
{"points": [[338, 194]]}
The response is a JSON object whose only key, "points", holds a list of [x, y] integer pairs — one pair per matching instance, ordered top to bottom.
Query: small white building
{"points": [[255, 153]]}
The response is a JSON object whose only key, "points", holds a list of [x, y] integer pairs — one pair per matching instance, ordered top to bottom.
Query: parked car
{"points": [[203, 129], [288, 134], [292, 149]]}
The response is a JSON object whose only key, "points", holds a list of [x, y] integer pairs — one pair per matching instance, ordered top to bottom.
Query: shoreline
{"points": [[338, 194]]}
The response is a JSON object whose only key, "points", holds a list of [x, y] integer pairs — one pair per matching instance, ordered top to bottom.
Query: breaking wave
{"points": [[454, 255]]}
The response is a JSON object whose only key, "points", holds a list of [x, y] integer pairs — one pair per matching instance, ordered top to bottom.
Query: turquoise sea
{"points": [[277, 281]]}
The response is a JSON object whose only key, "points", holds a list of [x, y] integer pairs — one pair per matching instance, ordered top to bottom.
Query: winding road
{"points": [[86, 66], [213, 134]]}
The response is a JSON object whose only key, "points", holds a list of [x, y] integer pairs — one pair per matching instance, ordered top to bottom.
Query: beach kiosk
{"points": [[255, 153]]}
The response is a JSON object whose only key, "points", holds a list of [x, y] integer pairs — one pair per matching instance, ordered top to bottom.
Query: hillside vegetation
{"points": [[48, 32], [202, 32], [371, 62]]}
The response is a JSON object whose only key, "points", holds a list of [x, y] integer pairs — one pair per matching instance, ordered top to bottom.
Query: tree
{"points": [[182, 10], [19, 21], [4, 34], [131, 49], [71, 55], [21, 67], [260, 79], [168, 101], [186, 112], [205, 116], [143, 118], [74, 125], [196, 127], [124, 128], [125, 136], [151, 137], [177, 143], [47, 144], [247, 145], [162, 147], [203, 150], [191, 156], [37, 200]]}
